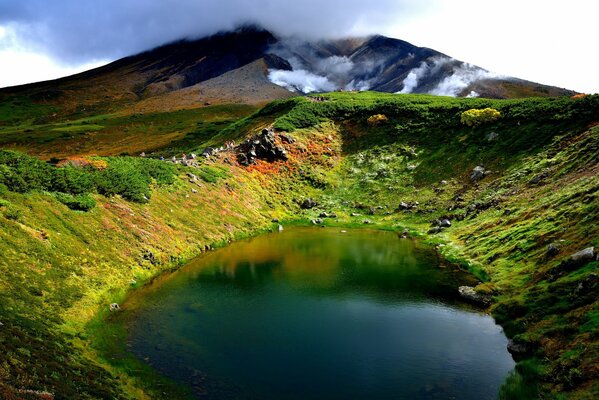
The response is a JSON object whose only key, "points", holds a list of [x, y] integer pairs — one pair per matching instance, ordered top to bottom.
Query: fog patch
{"points": [[460, 79], [301, 81]]}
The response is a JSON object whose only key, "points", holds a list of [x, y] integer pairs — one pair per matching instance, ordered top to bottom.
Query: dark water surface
{"points": [[314, 313]]}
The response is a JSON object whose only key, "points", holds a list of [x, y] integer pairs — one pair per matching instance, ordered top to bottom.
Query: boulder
{"points": [[491, 136], [263, 147], [478, 173], [308, 204], [403, 206], [323, 215], [317, 221], [367, 221], [445, 223], [280, 228], [435, 229], [552, 250], [583, 256], [468, 293], [114, 307], [519, 349]]}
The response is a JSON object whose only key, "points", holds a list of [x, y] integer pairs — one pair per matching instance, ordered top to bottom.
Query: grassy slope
{"points": [[72, 265]]}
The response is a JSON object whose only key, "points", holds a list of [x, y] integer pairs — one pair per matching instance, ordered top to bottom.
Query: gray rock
{"points": [[491, 136], [478, 173], [443, 182], [308, 204], [403, 206], [354, 214], [323, 215], [317, 221], [367, 221], [445, 223], [435, 229], [552, 250], [583, 256], [468, 293], [114, 307], [518, 349]]}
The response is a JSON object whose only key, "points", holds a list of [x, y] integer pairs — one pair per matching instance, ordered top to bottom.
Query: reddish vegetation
{"points": [[81, 162]]}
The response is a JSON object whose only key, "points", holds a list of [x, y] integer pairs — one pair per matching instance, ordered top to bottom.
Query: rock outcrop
{"points": [[263, 147]]}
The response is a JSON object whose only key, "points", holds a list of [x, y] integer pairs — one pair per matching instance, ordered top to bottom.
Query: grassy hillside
{"points": [[357, 154]]}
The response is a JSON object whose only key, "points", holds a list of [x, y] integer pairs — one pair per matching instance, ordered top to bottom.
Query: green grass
{"points": [[73, 264]]}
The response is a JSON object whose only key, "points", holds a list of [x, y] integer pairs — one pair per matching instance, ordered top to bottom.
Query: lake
{"points": [[318, 313]]}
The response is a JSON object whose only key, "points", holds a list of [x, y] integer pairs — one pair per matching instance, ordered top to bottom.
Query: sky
{"points": [[547, 41]]}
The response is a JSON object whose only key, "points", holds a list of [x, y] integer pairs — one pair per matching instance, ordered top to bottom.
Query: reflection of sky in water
{"points": [[314, 313]]}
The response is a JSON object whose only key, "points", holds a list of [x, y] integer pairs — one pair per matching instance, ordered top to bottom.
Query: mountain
{"points": [[251, 65]]}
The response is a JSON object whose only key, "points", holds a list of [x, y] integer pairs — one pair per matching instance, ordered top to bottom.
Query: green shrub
{"points": [[475, 117], [126, 176], [81, 202], [12, 213]]}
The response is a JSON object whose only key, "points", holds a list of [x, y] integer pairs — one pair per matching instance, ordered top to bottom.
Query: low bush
{"points": [[475, 117], [126, 176], [80, 202]]}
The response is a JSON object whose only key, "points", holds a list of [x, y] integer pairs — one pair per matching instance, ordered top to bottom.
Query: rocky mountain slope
{"points": [[252, 66]]}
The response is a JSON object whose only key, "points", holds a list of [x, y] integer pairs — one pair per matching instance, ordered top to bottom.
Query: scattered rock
{"points": [[491, 136], [262, 146], [478, 173], [539, 178], [308, 204], [445, 223], [435, 229], [552, 250], [583, 256], [588, 286], [468, 293], [114, 307]]}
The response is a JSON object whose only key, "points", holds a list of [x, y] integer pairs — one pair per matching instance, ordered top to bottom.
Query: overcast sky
{"points": [[552, 42]]}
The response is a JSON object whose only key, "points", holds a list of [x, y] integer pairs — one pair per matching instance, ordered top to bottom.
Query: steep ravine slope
{"points": [[60, 267]]}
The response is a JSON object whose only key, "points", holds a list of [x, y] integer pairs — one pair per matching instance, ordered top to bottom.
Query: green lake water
{"points": [[313, 313]]}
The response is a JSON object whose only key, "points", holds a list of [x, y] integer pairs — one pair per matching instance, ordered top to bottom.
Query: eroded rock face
{"points": [[263, 147]]}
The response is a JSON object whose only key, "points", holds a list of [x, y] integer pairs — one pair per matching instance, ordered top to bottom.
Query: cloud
{"points": [[76, 31], [460, 79], [301, 81]]}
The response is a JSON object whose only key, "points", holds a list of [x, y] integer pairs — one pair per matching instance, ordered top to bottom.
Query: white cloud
{"points": [[460, 79], [301, 81]]}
